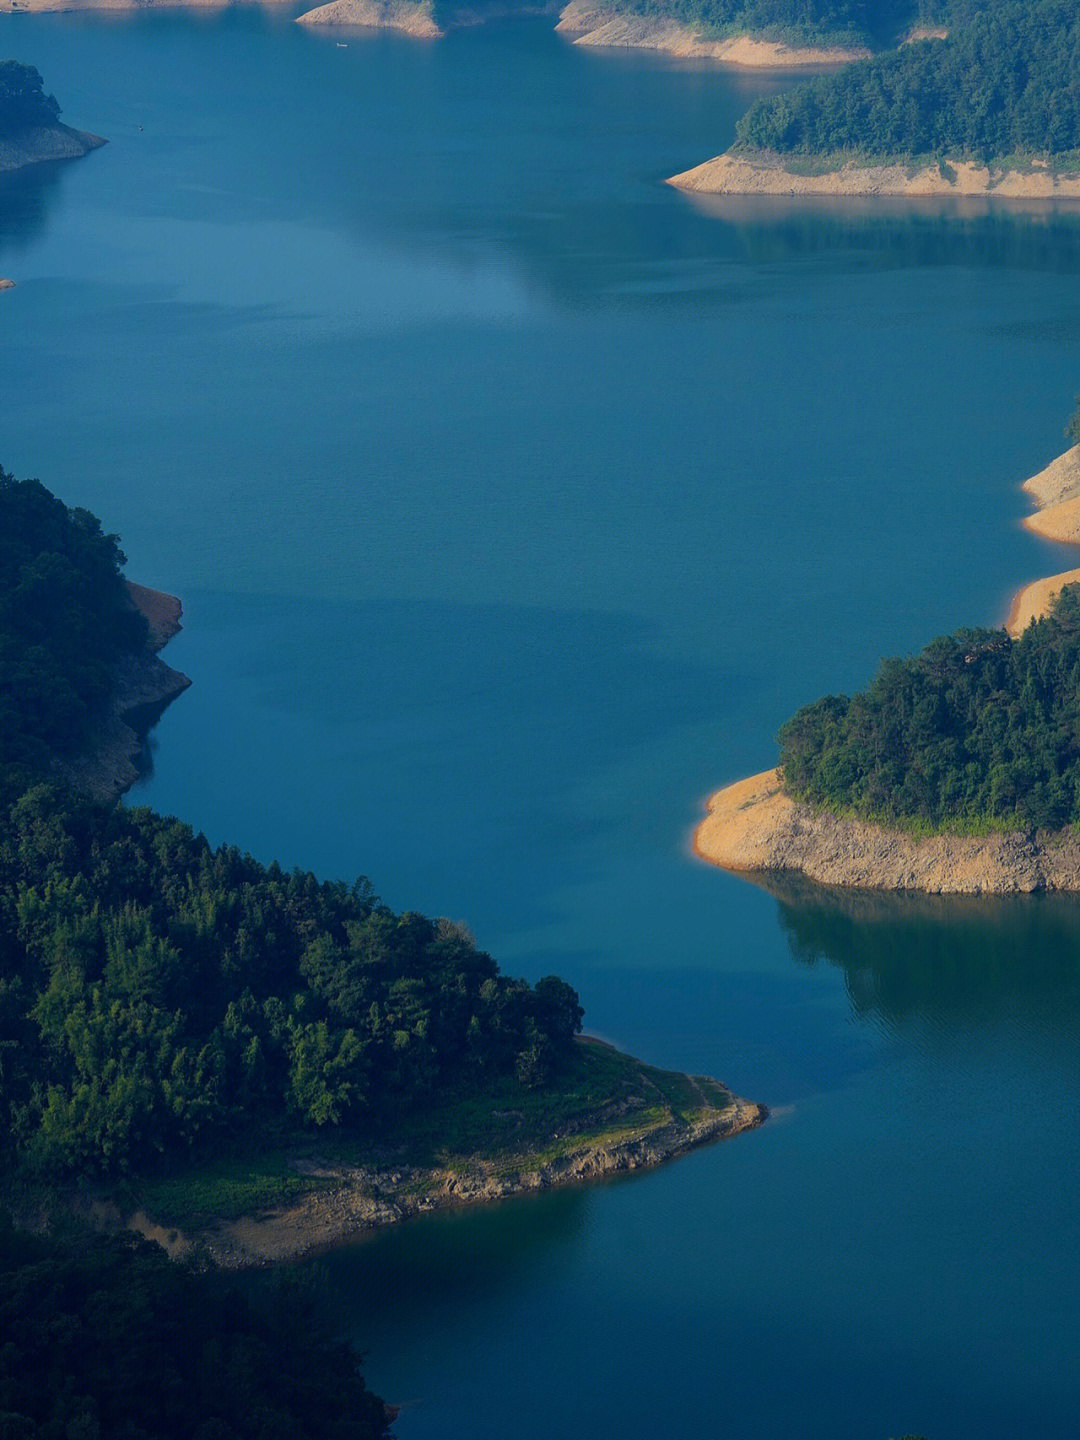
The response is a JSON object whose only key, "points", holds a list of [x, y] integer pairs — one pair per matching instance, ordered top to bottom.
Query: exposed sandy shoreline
{"points": [[412, 17], [602, 25], [46, 142], [731, 174], [1056, 492], [1034, 601], [146, 686], [753, 826]]}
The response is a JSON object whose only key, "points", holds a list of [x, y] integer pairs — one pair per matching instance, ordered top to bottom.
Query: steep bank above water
{"points": [[46, 142], [760, 174], [145, 687], [753, 826]]}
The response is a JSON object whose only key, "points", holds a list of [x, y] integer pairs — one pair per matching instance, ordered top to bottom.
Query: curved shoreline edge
{"points": [[590, 24], [599, 25], [738, 174], [753, 827], [353, 1200]]}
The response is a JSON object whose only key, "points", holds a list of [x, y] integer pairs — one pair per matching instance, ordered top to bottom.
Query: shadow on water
{"points": [[26, 200], [958, 963], [458, 1260]]}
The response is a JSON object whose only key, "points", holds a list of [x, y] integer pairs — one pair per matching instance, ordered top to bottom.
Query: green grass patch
{"points": [[598, 1096], [222, 1189]]}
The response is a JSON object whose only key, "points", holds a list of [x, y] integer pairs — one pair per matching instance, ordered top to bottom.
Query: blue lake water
{"points": [[514, 501]]}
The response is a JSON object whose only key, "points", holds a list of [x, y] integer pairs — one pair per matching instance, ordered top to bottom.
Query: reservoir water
{"points": [[514, 501]]}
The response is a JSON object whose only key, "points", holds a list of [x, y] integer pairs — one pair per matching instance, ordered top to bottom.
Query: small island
{"points": [[911, 121], [30, 128]]}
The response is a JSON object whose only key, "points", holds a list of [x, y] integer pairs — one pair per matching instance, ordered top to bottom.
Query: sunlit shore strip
{"points": [[753, 827]]}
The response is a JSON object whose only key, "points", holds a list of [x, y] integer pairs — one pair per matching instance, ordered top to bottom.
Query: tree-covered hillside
{"points": [[834, 22], [1005, 82], [23, 102], [65, 621], [978, 730], [158, 996], [104, 1337]]}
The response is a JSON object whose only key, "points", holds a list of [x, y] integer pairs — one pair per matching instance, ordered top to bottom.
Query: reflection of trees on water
{"points": [[26, 198], [650, 253], [959, 962]]}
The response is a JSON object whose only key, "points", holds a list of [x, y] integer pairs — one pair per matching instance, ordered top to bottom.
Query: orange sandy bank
{"points": [[730, 174], [1056, 492], [1036, 600], [752, 826]]}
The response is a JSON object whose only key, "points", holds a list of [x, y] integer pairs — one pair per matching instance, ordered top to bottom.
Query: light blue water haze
{"points": [[514, 501]]}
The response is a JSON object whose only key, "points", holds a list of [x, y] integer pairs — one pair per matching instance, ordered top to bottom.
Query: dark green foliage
{"points": [[837, 22], [1006, 82], [23, 102], [1072, 429], [65, 621], [978, 730], [156, 994], [105, 1337]]}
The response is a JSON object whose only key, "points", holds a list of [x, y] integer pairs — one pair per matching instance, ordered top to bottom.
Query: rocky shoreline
{"points": [[46, 142], [768, 174], [145, 687], [350, 1201]]}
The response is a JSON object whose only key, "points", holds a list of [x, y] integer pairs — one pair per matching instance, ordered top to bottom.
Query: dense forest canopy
{"points": [[836, 22], [1005, 82], [23, 102], [65, 621], [977, 730], [156, 994], [105, 1337]]}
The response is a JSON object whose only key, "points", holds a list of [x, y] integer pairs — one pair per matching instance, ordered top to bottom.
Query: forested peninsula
{"points": [[992, 108], [30, 128], [956, 771], [242, 1062]]}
